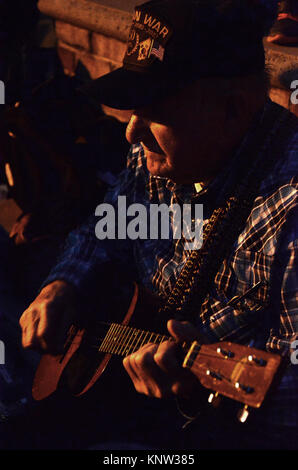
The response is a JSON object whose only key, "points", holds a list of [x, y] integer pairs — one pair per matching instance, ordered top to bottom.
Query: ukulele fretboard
{"points": [[124, 340]]}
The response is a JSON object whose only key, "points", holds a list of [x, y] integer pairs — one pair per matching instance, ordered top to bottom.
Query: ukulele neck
{"points": [[123, 340]]}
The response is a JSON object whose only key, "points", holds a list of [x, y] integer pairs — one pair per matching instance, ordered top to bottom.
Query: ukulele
{"points": [[241, 373]]}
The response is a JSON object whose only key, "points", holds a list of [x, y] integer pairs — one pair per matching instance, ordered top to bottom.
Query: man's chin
{"points": [[158, 167]]}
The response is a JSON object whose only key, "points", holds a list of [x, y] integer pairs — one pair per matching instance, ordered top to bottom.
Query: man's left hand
{"points": [[156, 370]]}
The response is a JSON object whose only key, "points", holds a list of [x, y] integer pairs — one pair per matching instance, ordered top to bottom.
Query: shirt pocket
{"points": [[250, 268], [242, 271]]}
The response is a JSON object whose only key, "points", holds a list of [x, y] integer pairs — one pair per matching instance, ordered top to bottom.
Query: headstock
{"points": [[239, 372]]}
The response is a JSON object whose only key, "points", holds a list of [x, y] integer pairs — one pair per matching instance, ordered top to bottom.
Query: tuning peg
{"points": [[260, 362], [214, 399], [243, 414]]}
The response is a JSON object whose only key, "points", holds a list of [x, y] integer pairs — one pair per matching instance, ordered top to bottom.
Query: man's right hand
{"points": [[47, 320]]}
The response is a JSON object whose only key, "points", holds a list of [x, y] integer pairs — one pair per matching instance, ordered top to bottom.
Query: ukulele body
{"points": [[81, 364]]}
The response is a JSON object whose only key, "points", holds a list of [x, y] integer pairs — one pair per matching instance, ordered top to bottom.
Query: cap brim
{"points": [[126, 89]]}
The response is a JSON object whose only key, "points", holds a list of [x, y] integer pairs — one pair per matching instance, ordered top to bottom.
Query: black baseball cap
{"points": [[172, 43]]}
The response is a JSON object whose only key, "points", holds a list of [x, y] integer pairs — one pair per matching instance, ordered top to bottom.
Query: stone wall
{"points": [[94, 32], [99, 53], [283, 66]]}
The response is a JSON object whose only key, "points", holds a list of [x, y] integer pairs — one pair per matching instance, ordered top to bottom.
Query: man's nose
{"points": [[135, 129]]}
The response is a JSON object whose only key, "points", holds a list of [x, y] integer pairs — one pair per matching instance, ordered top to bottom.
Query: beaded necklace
{"points": [[227, 221]]}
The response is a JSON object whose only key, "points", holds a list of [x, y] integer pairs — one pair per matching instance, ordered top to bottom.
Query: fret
{"points": [[120, 336], [125, 336], [138, 337], [118, 339], [128, 339], [150, 339], [158, 339], [124, 340], [144, 341], [155, 341], [110, 342], [140, 342], [114, 343], [130, 344], [104, 345], [185, 346]]}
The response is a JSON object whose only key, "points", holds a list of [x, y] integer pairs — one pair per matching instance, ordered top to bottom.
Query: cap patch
{"points": [[147, 39]]}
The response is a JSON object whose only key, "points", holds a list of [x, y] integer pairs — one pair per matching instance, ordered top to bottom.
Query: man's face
{"points": [[180, 136]]}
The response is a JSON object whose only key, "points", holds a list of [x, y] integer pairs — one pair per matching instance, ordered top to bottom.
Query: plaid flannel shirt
{"points": [[266, 250]]}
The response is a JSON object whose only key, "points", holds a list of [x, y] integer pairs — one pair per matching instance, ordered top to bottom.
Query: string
{"points": [[128, 341], [118, 347], [196, 366], [222, 377]]}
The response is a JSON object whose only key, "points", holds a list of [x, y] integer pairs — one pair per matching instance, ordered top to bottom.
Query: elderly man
{"points": [[203, 131]]}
